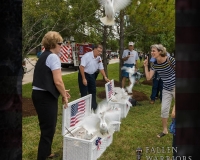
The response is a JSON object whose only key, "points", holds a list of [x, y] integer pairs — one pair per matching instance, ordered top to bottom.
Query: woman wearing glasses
{"points": [[165, 66], [47, 86]]}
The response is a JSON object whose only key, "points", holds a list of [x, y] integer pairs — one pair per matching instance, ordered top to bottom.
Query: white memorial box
{"points": [[116, 99], [75, 144]]}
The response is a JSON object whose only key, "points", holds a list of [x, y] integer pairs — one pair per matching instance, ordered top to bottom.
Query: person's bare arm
{"points": [[126, 58], [81, 68], [149, 74], [104, 75], [57, 78]]}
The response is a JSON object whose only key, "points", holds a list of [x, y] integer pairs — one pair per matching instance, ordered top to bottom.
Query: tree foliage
{"points": [[37, 19], [151, 21]]}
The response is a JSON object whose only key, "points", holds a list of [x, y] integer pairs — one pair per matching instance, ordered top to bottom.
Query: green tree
{"points": [[37, 19], [152, 21]]}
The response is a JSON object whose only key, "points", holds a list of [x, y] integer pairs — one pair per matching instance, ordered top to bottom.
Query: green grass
{"points": [[31, 56], [138, 129]]}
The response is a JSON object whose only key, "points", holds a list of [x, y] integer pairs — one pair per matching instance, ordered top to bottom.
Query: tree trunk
{"points": [[121, 44], [104, 50]]}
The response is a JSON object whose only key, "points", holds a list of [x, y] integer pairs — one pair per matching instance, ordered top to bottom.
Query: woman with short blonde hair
{"points": [[50, 40], [47, 86]]}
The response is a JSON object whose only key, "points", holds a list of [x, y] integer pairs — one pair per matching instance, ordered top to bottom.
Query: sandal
{"points": [[161, 135], [52, 156]]}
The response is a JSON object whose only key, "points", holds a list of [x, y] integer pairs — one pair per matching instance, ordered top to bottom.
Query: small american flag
{"points": [[110, 89], [77, 112]]}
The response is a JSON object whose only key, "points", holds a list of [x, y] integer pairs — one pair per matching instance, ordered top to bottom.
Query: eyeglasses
{"points": [[60, 43], [100, 51]]}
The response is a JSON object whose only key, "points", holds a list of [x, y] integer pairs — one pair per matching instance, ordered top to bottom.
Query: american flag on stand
{"points": [[110, 89], [77, 112]]}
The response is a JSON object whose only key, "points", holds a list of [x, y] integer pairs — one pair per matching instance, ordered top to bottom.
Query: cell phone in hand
{"points": [[129, 53]]}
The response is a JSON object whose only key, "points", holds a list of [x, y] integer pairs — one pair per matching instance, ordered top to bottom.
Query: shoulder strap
{"points": [[170, 63]]}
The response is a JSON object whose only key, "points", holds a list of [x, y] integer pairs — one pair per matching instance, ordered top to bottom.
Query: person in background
{"points": [[68, 44], [40, 52], [140, 56], [129, 57], [90, 63], [165, 66], [157, 85], [47, 86], [156, 88]]}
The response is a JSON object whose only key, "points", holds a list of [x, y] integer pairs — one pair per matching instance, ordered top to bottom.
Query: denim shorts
{"points": [[124, 73]]}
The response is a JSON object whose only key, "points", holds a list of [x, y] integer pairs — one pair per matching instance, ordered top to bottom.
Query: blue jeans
{"points": [[157, 87]]}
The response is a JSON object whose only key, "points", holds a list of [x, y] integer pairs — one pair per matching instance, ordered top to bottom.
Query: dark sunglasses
{"points": [[60, 43]]}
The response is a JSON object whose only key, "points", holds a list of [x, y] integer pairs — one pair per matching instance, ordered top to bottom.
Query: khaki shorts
{"points": [[166, 102]]}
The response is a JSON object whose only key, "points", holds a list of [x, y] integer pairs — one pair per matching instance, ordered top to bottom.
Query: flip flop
{"points": [[161, 135]]}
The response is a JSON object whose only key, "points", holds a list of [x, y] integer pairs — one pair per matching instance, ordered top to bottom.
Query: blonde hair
{"points": [[50, 40], [160, 48]]}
